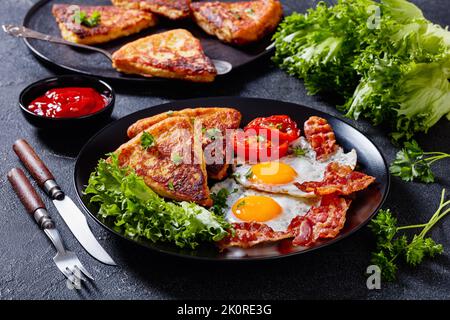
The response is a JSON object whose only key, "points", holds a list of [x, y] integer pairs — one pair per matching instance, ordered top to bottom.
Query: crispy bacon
{"points": [[321, 137], [338, 179], [324, 221], [248, 234]]}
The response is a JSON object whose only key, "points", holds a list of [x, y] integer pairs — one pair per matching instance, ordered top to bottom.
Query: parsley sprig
{"points": [[81, 17], [147, 140], [298, 151], [412, 163], [220, 200], [393, 246]]}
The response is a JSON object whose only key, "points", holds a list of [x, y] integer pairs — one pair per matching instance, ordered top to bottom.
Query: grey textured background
{"points": [[27, 270]]}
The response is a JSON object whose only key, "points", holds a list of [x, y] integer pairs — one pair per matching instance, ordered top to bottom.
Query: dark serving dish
{"points": [[40, 18], [38, 88], [363, 208]]}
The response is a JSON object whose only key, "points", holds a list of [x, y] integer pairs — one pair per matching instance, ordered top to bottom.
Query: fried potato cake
{"points": [[172, 9], [114, 23], [238, 23], [173, 54], [209, 118], [173, 166]]}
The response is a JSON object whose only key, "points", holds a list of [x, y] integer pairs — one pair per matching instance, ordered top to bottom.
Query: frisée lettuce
{"points": [[389, 63], [137, 211]]}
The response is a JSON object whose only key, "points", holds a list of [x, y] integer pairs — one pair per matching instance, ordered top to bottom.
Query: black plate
{"points": [[40, 18], [361, 211]]}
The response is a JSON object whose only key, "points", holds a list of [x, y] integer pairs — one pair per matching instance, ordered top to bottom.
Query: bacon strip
{"points": [[321, 137], [338, 179], [324, 221], [248, 234]]}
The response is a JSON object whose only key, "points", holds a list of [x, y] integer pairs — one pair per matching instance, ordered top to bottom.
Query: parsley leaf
{"points": [[81, 17], [213, 133], [147, 140], [298, 151], [176, 158], [412, 163], [249, 174], [171, 186], [220, 200], [241, 204], [392, 246]]}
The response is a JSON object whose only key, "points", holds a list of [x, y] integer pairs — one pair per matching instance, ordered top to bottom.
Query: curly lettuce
{"points": [[394, 71], [138, 212]]}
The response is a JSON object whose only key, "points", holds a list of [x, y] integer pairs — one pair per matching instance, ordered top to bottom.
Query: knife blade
{"points": [[71, 214]]}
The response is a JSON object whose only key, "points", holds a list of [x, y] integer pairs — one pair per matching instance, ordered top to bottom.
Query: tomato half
{"points": [[287, 127], [259, 144]]}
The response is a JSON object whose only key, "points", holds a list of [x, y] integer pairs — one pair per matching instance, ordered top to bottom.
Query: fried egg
{"points": [[279, 176], [249, 205]]}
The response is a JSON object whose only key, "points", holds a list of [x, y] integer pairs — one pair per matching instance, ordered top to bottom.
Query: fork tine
{"points": [[80, 267], [81, 272], [77, 273], [69, 275], [77, 276]]}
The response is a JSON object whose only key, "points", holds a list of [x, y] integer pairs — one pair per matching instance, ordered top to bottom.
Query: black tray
{"points": [[40, 18]]}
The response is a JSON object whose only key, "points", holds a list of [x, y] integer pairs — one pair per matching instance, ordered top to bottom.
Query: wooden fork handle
{"points": [[32, 162], [23, 188]]}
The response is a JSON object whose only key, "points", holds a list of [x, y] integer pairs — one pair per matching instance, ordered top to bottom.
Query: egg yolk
{"points": [[273, 173], [256, 208]]}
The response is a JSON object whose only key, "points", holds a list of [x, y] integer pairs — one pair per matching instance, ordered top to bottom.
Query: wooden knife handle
{"points": [[32, 162], [23, 188]]}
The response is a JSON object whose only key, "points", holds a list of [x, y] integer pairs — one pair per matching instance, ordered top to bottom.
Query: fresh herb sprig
{"points": [[81, 17], [147, 140], [298, 151], [412, 163], [220, 200], [393, 246]]}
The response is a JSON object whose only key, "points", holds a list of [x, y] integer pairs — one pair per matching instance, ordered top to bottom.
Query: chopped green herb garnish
{"points": [[249, 10], [81, 17], [170, 113], [213, 133], [260, 138], [147, 140], [298, 151], [176, 158], [249, 174], [171, 186], [220, 200], [241, 204]]}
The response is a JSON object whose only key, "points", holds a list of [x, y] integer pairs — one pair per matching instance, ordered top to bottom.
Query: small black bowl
{"points": [[38, 88]]}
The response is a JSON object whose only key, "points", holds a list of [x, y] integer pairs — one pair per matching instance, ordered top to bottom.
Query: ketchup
{"points": [[70, 102]]}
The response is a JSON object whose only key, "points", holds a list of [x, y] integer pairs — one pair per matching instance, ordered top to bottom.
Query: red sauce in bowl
{"points": [[69, 102]]}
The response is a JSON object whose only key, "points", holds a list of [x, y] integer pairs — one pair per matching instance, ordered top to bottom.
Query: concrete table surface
{"points": [[336, 272]]}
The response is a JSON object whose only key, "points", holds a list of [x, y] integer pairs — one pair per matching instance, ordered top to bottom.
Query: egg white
{"points": [[306, 166], [291, 206]]}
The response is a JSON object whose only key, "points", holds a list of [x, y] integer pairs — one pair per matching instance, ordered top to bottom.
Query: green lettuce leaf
{"points": [[137, 211]]}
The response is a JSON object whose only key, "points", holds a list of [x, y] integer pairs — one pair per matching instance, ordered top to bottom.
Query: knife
{"points": [[73, 217]]}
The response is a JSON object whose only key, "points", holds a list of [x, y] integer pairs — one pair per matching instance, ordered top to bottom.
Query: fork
{"points": [[222, 66], [66, 261]]}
